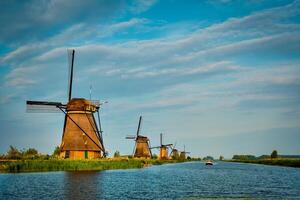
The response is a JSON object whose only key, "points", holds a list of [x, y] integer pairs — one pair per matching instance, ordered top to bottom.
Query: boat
{"points": [[209, 162]]}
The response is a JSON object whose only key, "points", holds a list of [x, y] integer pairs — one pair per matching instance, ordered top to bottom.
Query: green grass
{"points": [[289, 162], [77, 165]]}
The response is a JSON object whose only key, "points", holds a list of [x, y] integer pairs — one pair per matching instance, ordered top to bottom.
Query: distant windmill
{"points": [[81, 139], [142, 144], [163, 149], [183, 153], [174, 154]]}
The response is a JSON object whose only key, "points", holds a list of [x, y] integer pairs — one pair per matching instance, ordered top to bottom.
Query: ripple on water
{"points": [[174, 181]]}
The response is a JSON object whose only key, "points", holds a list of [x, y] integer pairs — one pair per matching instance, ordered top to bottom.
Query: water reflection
{"points": [[174, 181], [82, 185]]}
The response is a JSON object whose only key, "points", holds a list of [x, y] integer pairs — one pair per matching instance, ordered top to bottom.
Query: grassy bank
{"points": [[289, 162], [76, 165]]}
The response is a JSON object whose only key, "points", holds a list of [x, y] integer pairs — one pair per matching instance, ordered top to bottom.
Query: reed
{"points": [[77, 165]]}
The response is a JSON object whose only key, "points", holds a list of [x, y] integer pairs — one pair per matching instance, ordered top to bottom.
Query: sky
{"points": [[221, 77]]}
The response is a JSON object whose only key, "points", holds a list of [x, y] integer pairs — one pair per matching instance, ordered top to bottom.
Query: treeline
{"points": [[14, 153], [273, 155]]}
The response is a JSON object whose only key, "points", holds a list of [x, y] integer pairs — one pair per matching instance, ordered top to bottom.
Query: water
{"points": [[172, 181]]}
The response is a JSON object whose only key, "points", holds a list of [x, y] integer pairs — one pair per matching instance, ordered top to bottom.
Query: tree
{"points": [[56, 151], [13, 153], [30, 153], [117, 154], [274, 154], [154, 156], [244, 157], [208, 158], [221, 158]]}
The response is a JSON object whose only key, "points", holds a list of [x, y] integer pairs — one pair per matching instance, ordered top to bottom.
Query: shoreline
{"points": [[284, 162], [17, 166]]}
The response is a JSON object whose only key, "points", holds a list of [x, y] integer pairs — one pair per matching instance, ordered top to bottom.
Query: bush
{"points": [[56, 151], [13, 153], [30, 153], [117, 154], [274, 154], [154, 156], [244, 157], [208, 158]]}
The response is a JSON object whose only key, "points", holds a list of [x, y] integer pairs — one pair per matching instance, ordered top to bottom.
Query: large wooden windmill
{"points": [[81, 139], [142, 144], [163, 149]]}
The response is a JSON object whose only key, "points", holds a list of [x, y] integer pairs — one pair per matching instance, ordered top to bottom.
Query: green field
{"points": [[289, 162], [76, 165]]}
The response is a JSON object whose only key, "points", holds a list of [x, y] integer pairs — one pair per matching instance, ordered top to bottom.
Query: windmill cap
{"points": [[80, 104]]}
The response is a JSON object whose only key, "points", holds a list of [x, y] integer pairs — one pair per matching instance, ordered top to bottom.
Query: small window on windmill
{"points": [[85, 142], [67, 154], [86, 156]]}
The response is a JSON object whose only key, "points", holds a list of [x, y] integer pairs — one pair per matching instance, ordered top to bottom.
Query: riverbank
{"points": [[288, 162], [14, 166]]}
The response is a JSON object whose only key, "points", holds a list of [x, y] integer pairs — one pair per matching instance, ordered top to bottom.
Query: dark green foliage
{"points": [[56, 151], [13, 153], [30, 153], [117, 154], [274, 154], [154, 156], [244, 157], [264, 157], [208, 158], [221, 158], [280, 162], [78, 165]]}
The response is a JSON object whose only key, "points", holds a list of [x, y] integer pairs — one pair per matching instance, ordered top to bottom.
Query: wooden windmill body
{"points": [[81, 139], [142, 146], [163, 149], [174, 152], [183, 154]]}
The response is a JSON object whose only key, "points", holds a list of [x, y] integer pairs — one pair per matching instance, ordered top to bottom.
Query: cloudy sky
{"points": [[219, 76]]}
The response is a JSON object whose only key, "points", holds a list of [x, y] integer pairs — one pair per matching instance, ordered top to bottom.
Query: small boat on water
{"points": [[209, 162]]}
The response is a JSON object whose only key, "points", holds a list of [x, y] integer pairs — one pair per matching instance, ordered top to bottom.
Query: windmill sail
{"points": [[71, 54], [43, 106], [139, 126]]}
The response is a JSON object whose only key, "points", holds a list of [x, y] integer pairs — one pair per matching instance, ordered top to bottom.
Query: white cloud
{"points": [[139, 6], [23, 76]]}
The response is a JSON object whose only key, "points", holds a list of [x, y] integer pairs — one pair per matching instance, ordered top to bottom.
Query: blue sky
{"points": [[219, 76]]}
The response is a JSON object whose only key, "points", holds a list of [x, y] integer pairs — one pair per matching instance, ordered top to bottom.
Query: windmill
{"points": [[81, 139], [142, 144], [163, 149], [183, 153], [174, 154]]}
